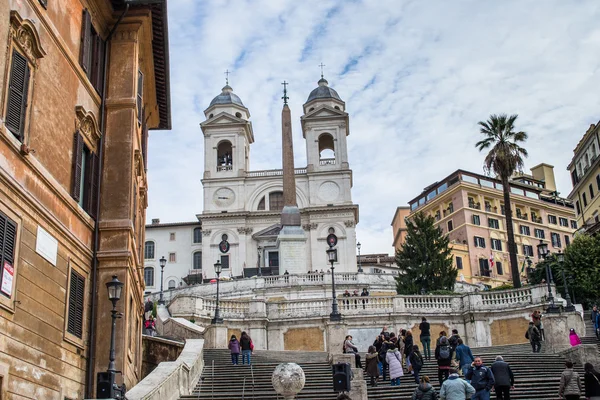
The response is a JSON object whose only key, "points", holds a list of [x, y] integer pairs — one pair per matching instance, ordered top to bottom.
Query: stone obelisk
{"points": [[291, 239]]}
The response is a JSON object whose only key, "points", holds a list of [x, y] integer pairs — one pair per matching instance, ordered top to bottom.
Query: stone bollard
{"points": [[288, 380]]}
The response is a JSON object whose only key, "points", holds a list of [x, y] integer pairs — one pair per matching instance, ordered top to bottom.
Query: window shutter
{"points": [[85, 54], [98, 63], [140, 93], [17, 95], [145, 143], [77, 159], [92, 185], [8, 235], [76, 301]]}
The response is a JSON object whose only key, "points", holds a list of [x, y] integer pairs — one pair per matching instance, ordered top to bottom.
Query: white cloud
{"points": [[416, 77]]}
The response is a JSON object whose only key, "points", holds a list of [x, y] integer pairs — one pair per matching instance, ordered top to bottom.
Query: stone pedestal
{"points": [[292, 250], [556, 333], [336, 334], [215, 337], [582, 354], [288, 380], [359, 385]]}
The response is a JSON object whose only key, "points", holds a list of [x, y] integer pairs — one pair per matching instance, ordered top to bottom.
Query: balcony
{"points": [[327, 161], [224, 168], [476, 206], [522, 216], [536, 219]]}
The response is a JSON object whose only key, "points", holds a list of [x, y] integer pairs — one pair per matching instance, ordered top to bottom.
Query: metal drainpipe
{"points": [[89, 384]]}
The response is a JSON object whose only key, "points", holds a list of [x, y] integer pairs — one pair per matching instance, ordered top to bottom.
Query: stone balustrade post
{"points": [[399, 305], [258, 309]]}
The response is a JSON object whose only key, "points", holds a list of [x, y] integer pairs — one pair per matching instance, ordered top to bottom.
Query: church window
{"points": [[336, 107], [238, 114], [210, 115], [326, 149], [224, 156], [276, 201], [261, 204], [331, 230], [197, 235], [273, 259], [197, 260], [225, 261], [172, 284]]}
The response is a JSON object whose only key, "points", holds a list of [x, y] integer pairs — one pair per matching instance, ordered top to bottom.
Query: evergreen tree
{"points": [[424, 260]]}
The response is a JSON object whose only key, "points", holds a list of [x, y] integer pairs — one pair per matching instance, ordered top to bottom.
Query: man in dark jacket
{"points": [[535, 337], [453, 340], [443, 355], [503, 377], [482, 379]]}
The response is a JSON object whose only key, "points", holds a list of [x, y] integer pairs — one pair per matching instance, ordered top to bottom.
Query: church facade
{"points": [[242, 208]]}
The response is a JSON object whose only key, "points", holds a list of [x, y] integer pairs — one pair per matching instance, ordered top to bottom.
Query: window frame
{"points": [[476, 219], [552, 219], [565, 220], [493, 221], [524, 230], [536, 230], [199, 231], [479, 240], [558, 243], [493, 246], [153, 250], [172, 257], [194, 260], [459, 262], [150, 268], [6, 302], [68, 336]]}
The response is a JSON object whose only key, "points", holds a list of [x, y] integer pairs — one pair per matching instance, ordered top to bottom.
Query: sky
{"points": [[416, 77]]}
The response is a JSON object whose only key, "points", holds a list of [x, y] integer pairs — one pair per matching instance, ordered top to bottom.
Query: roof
{"points": [[160, 52], [323, 91], [227, 97], [171, 224]]}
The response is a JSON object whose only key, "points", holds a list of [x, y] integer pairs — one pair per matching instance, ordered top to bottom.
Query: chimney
{"points": [[545, 173], [155, 221]]}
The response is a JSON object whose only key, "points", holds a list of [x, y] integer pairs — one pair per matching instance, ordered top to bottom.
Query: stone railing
{"points": [[327, 161], [274, 172]]}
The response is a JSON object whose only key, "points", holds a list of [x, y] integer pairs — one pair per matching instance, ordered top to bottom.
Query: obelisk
{"points": [[291, 239]]}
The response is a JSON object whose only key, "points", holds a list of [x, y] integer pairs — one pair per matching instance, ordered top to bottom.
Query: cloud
{"points": [[416, 78]]}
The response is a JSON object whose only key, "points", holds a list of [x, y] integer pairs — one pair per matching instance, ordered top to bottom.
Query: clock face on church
{"points": [[223, 197]]}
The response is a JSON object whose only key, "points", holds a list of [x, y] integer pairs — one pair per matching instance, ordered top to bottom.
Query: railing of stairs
{"points": [[252, 373], [212, 383], [244, 388]]}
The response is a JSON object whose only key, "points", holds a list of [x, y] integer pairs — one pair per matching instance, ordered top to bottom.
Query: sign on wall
{"points": [[46, 246], [8, 274]]}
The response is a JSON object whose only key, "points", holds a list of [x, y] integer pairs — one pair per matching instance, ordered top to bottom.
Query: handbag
{"points": [[251, 345]]}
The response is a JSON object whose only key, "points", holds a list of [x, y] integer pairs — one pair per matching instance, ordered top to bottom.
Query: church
{"points": [[242, 216]]}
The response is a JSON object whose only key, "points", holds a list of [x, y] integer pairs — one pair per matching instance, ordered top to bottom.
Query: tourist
{"points": [[322, 274], [286, 276], [365, 293], [355, 294], [346, 302], [148, 307], [594, 316], [536, 318], [150, 326], [384, 332], [425, 337], [535, 337], [574, 338], [453, 340], [437, 341], [400, 343], [408, 345], [234, 347], [247, 348], [350, 348], [382, 354], [443, 355], [464, 356], [395, 362], [416, 362], [372, 365], [503, 377], [482, 380], [592, 382], [570, 386], [454, 388], [424, 391]]}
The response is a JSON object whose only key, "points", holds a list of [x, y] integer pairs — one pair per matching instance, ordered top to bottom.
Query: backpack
{"points": [[453, 340], [444, 352], [415, 361]]}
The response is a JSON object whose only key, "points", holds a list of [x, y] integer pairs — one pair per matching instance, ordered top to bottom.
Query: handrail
{"points": [[252, 373], [212, 382], [244, 388]]}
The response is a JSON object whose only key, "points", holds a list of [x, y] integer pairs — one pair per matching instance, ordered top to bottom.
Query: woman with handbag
{"points": [[349, 347], [247, 348], [394, 360], [591, 380], [570, 386]]}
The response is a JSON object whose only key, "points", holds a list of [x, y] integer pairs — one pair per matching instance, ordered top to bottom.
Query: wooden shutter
{"points": [[85, 53], [97, 72], [140, 93], [17, 95], [145, 143], [77, 161], [91, 185], [8, 237], [76, 301]]}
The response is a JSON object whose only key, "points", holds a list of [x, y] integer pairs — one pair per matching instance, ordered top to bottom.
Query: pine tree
{"points": [[425, 259]]}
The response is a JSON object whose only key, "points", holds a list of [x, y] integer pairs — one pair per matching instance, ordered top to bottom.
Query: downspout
{"points": [[89, 381]]}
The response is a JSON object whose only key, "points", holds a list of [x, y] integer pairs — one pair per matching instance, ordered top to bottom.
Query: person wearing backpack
{"points": [[535, 337], [453, 340], [234, 347], [443, 355], [464, 356], [382, 357], [394, 360], [416, 362], [372, 369], [482, 379], [570, 385], [455, 388], [424, 391]]}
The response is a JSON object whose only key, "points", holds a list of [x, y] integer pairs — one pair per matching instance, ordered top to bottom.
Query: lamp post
{"points": [[543, 253], [561, 259], [359, 260], [163, 262], [335, 315], [217, 319]]}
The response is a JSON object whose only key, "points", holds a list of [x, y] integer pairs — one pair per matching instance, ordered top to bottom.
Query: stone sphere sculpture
{"points": [[288, 380]]}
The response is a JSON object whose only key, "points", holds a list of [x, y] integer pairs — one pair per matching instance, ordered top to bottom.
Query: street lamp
{"points": [[543, 253], [560, 257], [359, 261], [163, 262], [335, 315], [217, 319], [106, 388]]}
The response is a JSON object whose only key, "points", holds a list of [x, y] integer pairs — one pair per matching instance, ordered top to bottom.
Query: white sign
{"points": [[46, 246], [8, 274]]}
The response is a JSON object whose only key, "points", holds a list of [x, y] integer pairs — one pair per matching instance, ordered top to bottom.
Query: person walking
{"points": [[364, 293], [148, 307], [594, 316], [150, 326], [535, 337], [425, 338], [574, 338], [453, 340], [437, 341], [408, 346], [234, 347], [247, 348], [350, 348], [443, 355], [382, 356], [464, 356], [395, 362], [416, 362], [372, 365], [504, 378], [482, 380], [591, 381], [570, 386], [454, 388], [424, 391]]}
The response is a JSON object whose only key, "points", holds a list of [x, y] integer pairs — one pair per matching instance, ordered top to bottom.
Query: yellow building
{"points": [[585, 175], [469, 207]]}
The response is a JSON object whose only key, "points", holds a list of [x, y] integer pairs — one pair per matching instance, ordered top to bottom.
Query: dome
{"points": [[323, 91], [227, 97]]}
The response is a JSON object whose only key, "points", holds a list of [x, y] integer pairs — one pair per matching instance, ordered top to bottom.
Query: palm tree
{"points": [[504, 158]]}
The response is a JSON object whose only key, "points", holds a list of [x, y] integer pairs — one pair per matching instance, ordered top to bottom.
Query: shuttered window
{"points": [[85, 55], [91, 55], [140, 93], [17, 95], [85, 176], [8, 237], [76, 300]]}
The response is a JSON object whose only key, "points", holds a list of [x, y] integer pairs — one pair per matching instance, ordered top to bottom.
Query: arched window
{"points": [[326, 149], [224, 156], [276, 201], [261, 204], [197, 235], [149, 250], [198, 260], [149, 276], [172, 284]]}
